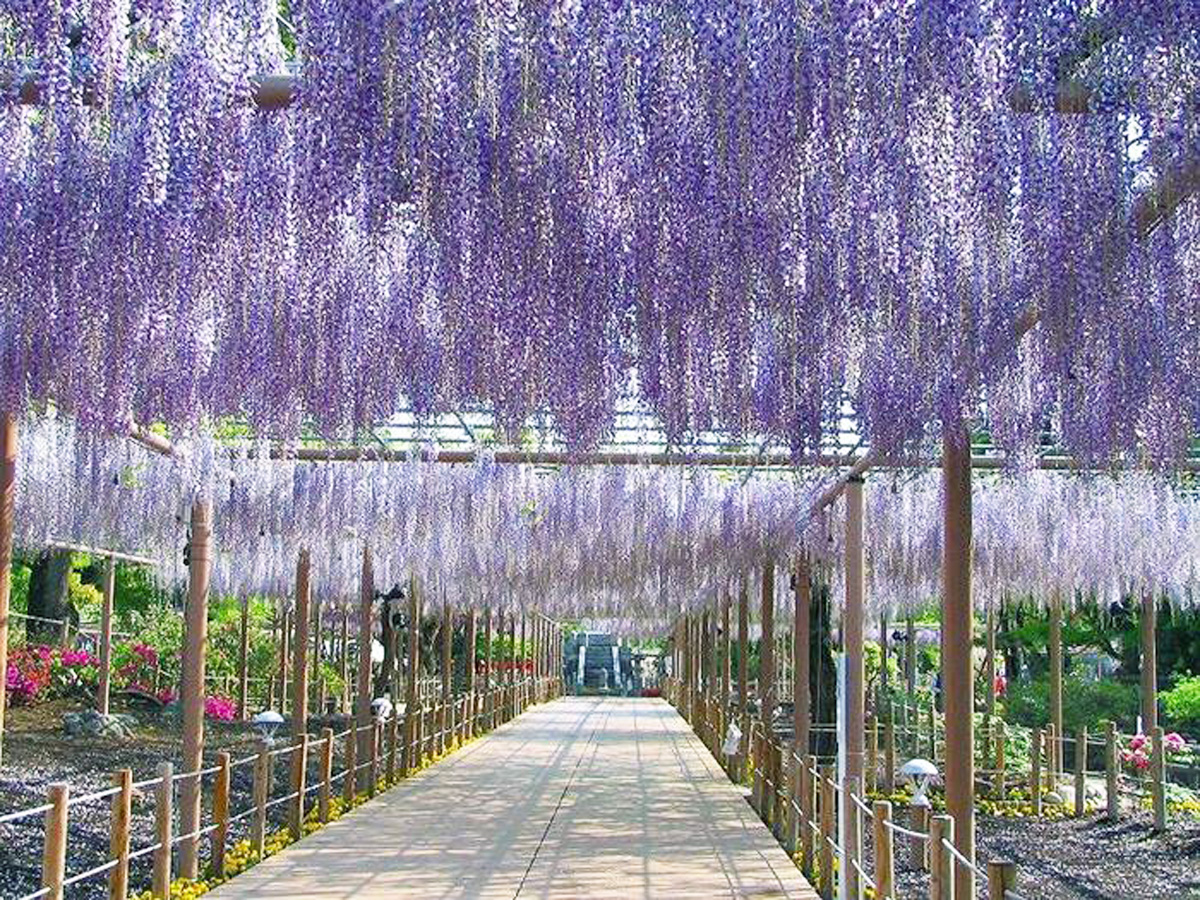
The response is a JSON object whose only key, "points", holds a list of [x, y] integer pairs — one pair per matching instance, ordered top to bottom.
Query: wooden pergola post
{"points": [[8, 487], [106, 617], [300, 618], [1149, 629], [285, 644], [852, 644], [766, 651], [725, 659], [244, 660], [344, 662], [990, 667], [469, 672], [743, 672], [957, 685], [192, 687], [1056, 687], [362, 696], [801, 699], [412, 702], [489, 702], [445, 725]]}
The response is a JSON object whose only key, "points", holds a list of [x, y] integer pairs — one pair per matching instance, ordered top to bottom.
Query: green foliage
{"points": [[161, 629], [873, 666], [1085, 703], [1181, 704]]}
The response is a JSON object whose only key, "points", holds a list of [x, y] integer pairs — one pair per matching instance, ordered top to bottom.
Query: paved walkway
{"points": [[583, 797]]}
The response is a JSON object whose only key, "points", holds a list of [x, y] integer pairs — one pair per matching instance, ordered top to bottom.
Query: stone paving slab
{"points": [[583, 797]]}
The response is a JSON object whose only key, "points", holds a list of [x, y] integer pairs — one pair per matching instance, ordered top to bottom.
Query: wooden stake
{"points": [[106, 617], [300, 619], [852, 633], [766, 651], [285, 655], [344, 663], [989, 670], [743, 674], [192, 688], [472, 699], [489, 700], [412, 712], [445, 726], [889, 758], [872, 768], [1035, 771], [1158, 776], [350, 782], [299, 784], [999, 784], [373, 787], [262, 790], [325, 797], [828, 806], [220, 809], [808, 810], [919, 822], [118, 835], [852, 835], [54, 847], [941, 862], [885, 866], [1002, 878], [161, 880]]}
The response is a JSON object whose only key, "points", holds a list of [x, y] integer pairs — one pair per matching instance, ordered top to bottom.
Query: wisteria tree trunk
{"points": [[49, 597], [822, 672]]}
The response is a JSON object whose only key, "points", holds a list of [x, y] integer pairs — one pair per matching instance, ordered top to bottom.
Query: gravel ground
{"points": [[36, 753], [1087, 859]]}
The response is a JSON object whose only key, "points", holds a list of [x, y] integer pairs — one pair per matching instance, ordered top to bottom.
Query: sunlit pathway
{"points": [[582, 797]]}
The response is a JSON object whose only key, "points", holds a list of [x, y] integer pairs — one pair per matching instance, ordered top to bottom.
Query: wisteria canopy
{"points": [[738, 214], [628, 542]]}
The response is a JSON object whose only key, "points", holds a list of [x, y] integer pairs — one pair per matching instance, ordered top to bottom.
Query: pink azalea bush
{"points": [[222, 709], [1138, 754]]}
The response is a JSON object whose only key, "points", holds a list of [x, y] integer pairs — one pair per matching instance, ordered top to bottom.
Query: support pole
{"points": [[8, 487], [106, 617], [300, 617], [852, 630], [766, 651], [285, 652], [244, 661], [344, 662], [1149, 663], [990, 666], [469, 669], [743, 673], [957, 681], [1056, 688], [192, 692], [362, 698], [801, 699], [489, 702], [412, 703], [444, 723]]}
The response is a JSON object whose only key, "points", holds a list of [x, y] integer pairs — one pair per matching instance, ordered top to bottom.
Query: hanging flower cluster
{"points": [[739, 214], [1088, 538], [627, 541]]}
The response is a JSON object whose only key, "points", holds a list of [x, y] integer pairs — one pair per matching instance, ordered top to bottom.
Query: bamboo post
{"points": [[8, 488], [106, 617], [285, 643], [766, 652], [244, 661], [344, 662], [989, 672], [957, 673], [316, 681], [1149, 682], [192, 686], [362, 698], [489, 699], [443, 724], [1049, 740], [1035, 772], [1080, 773], [1158, 774], [350, 782], [299, 784], [999, 786], [373, 787], [262, 788], [326, 794], [1112, 797], [828, 804], [808, 809], [121, 811], [220, 812], [919, 822], [54, 847], [941, 862], [885, 865], [1002, 878], [161, 880]]}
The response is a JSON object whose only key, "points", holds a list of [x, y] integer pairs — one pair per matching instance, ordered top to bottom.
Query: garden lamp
{"points": [[381, 707], [267, 723], [921, 772]]}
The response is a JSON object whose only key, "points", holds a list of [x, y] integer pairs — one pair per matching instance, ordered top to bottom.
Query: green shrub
{"points": [[1085, 703], [1181, 705]]}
